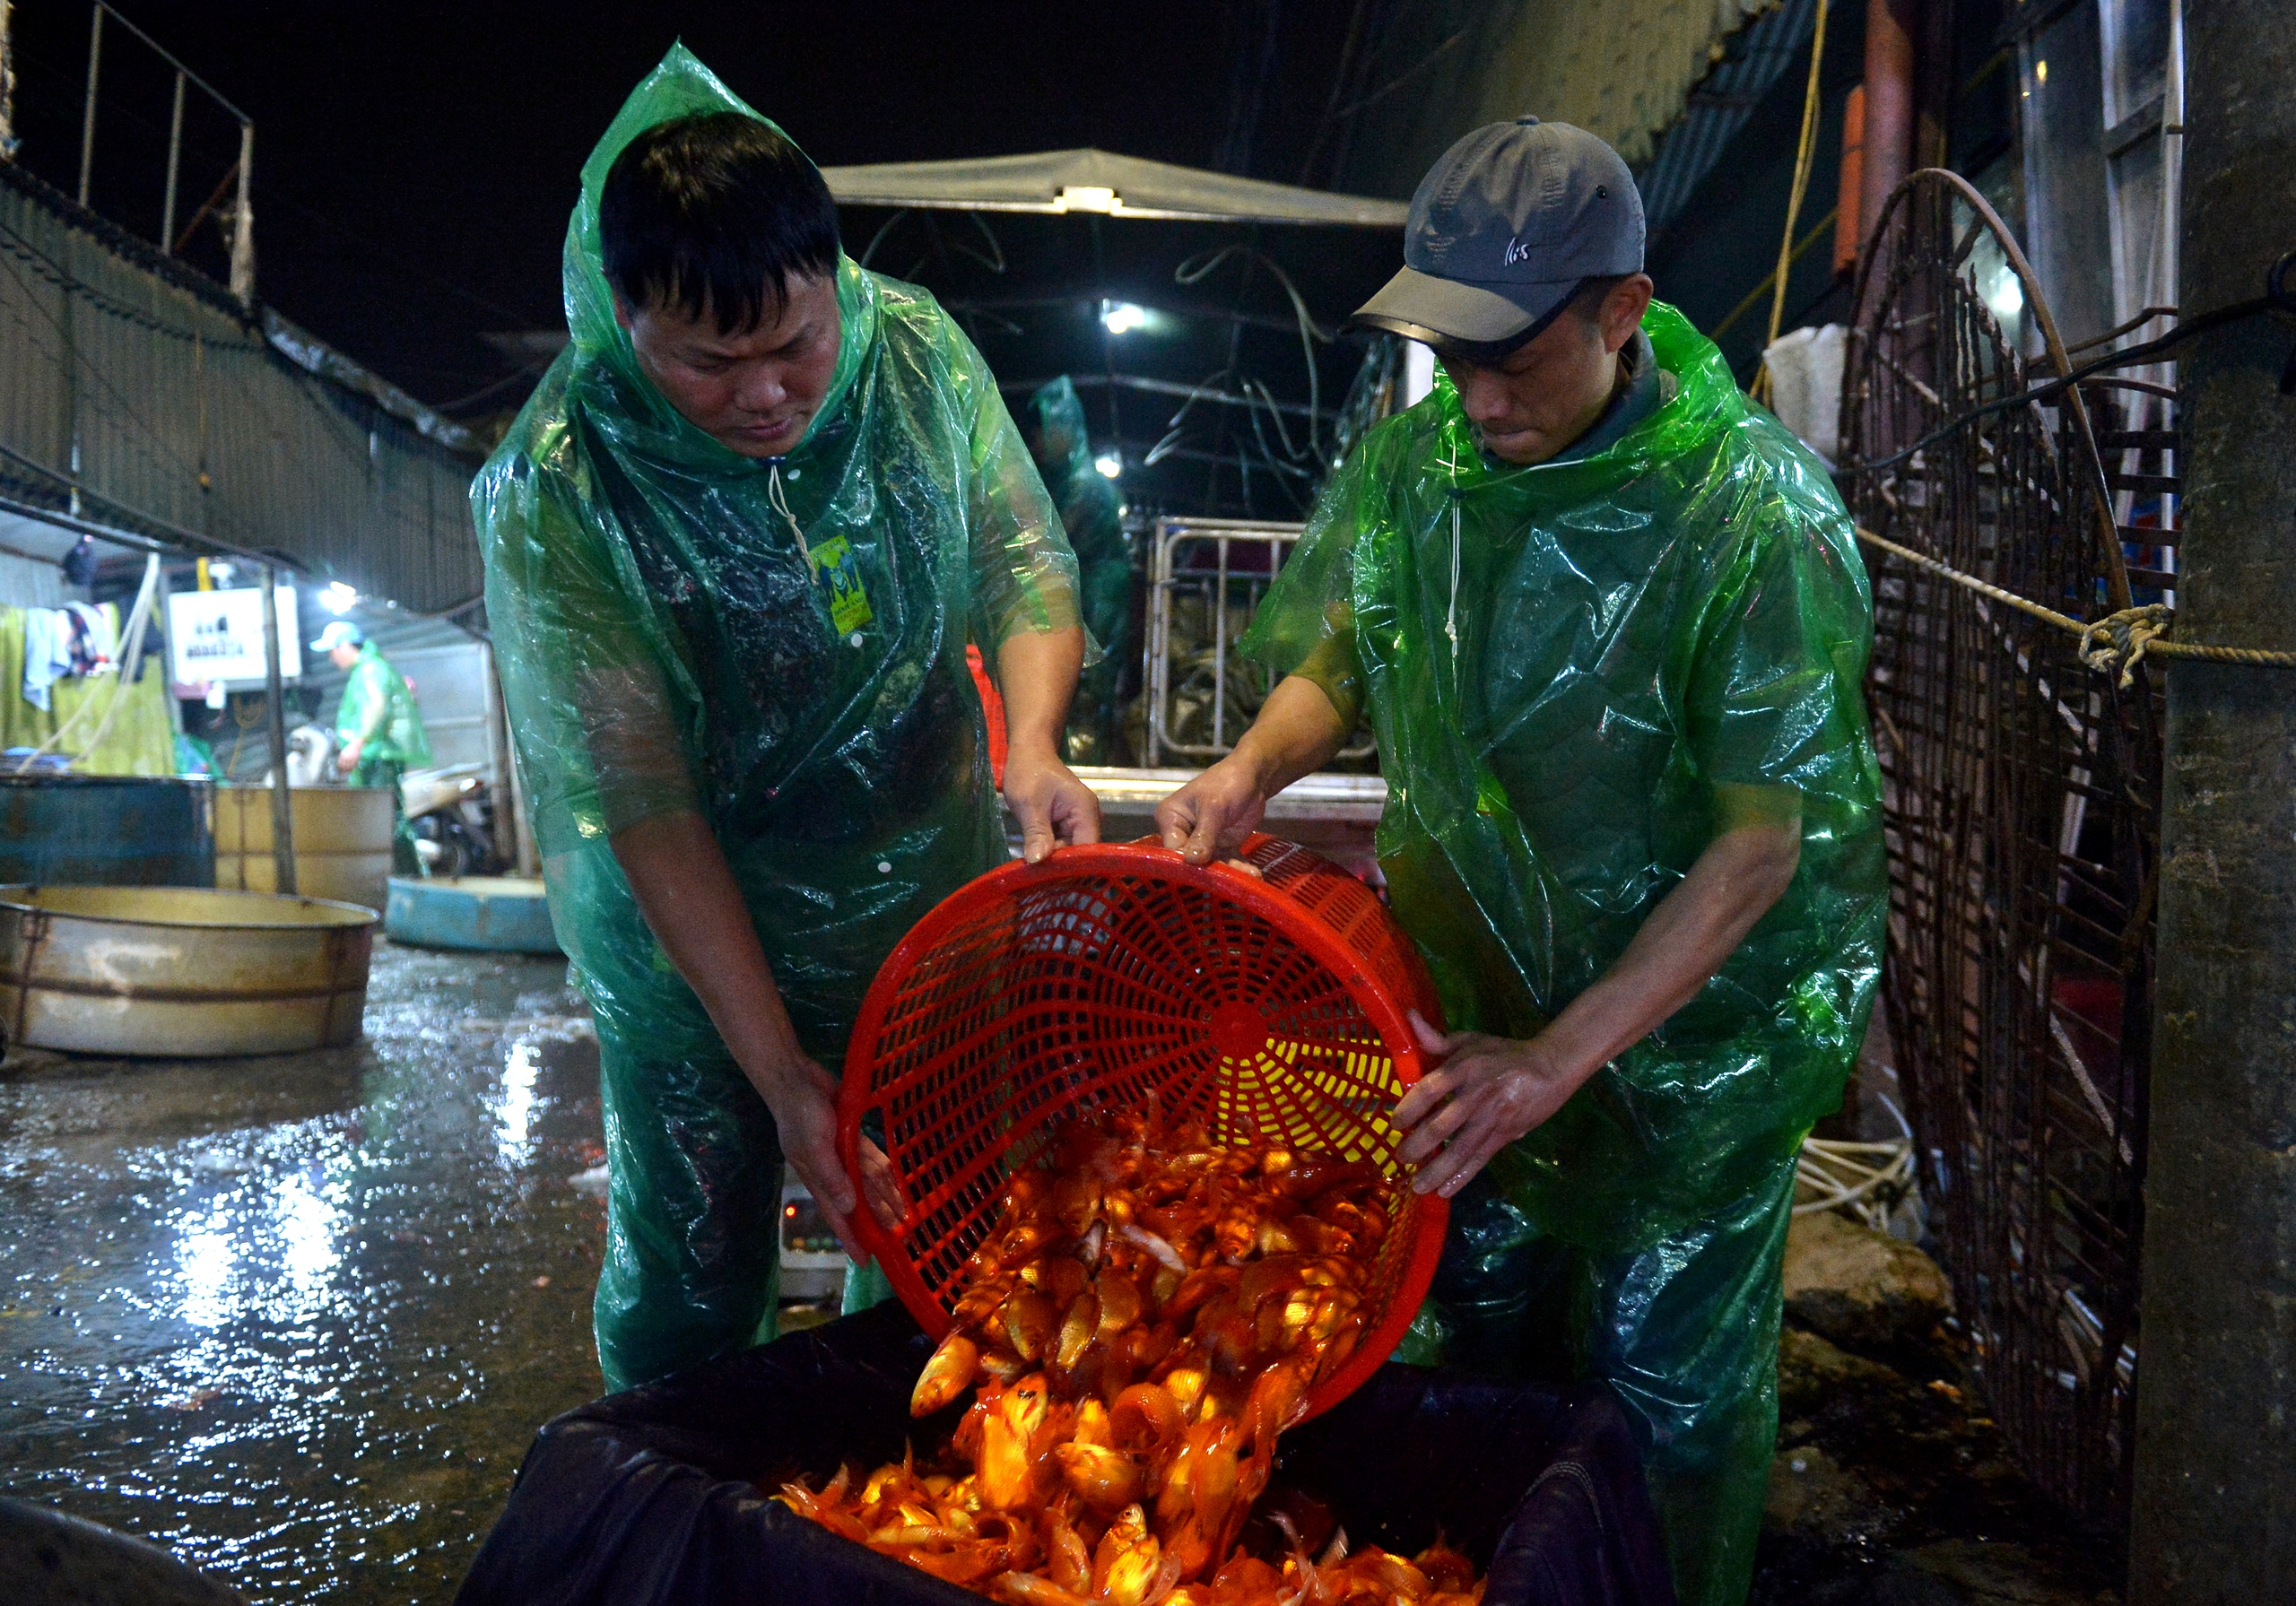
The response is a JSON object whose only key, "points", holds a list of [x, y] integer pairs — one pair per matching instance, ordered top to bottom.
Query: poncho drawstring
{"points": [[781, 501]]}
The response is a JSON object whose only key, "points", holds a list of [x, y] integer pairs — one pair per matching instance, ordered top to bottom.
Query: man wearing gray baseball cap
{"points": [[1607, 622]]}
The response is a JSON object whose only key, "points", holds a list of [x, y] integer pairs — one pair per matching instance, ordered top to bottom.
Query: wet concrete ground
{"points": [[297, 1318], [1893, 1487]]}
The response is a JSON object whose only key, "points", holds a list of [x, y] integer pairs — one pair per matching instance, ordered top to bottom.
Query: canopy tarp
{"points": [[1095, 181]]}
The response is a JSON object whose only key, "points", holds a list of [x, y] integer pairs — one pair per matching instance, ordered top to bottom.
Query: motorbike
{"points": [[310, 757], [451, 812]]}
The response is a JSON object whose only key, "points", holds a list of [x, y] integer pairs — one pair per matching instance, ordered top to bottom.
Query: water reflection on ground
{"points": [[297, 1318]]}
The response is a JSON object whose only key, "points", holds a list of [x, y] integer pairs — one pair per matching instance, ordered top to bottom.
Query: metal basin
{"points": [[342, 841], [501, 913], [179, 972], [47, 1559]]}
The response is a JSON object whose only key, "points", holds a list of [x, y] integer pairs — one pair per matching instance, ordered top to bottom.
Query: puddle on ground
{"points": [[297, 1318]]}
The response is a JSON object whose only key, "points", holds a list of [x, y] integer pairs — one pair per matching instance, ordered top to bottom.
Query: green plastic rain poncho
{"points": [[1089, 512], [665, 646], [1574, 670], [378, 705]]}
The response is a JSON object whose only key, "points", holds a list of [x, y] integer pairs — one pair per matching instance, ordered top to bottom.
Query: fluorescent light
{"points": [[1122, 317], [1108, 464], [338, 597]]}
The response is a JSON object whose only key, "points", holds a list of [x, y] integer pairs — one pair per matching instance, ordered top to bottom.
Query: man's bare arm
{"points": [[1035, 674], [1296, 734], [687, 893], [1492, 1090]]}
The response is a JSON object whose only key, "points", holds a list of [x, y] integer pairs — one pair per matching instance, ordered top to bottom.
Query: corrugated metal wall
{"points": [[1621, 68], [1718, 106], [183, 411]]}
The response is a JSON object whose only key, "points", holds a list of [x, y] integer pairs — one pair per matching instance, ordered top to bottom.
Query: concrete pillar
{"points": [[2215, 1475]]}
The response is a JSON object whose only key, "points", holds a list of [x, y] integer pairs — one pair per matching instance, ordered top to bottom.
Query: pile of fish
{"points": [[1149, 1313]]}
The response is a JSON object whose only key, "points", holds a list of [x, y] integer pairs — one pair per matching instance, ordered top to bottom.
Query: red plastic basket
{"points": [[1269, 1007]]}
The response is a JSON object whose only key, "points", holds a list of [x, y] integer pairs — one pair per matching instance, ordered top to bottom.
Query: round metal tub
{"points": [[105, 830], [342, 841], [500, 914], [178, 972], [47, 1559]]}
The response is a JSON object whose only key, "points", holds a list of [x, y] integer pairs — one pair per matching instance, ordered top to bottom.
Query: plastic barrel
{"points": [[105, 830], [342, 842], [1270, 1007]]}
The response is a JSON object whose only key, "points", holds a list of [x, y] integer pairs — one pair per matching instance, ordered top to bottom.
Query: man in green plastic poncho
{"points": [[1091, 513], [736, 546], [1609, 626], [377, 728]]}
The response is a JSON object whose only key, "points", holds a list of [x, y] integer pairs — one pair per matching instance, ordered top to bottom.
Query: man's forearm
{"points": [[1035, 674], [1296, 734], [689, 897], [1687, 938]]}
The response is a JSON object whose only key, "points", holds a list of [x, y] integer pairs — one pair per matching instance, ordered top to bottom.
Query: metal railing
{"points": [[238, 178], [1205, 581]]}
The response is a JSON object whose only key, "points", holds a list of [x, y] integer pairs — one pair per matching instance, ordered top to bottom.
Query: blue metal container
{"points": [[105, 830], [498, 914]]}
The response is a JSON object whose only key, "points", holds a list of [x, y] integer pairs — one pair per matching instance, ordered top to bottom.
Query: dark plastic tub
{"points": [[105, 830], [650, 1497]]}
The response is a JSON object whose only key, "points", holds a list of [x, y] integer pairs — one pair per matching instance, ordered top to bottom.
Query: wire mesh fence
{"points": [[2023, 802]]}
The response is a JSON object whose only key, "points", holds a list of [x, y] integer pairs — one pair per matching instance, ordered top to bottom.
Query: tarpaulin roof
{"points": [[1097, 182]]}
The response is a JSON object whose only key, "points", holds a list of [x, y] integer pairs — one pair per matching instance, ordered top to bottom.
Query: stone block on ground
{"points": [[1861, 1288], [1812, 1371]]}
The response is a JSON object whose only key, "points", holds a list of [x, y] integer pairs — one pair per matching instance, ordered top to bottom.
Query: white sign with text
{"points": [[217, 635]]}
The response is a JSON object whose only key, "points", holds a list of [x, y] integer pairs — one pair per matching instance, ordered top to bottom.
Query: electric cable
{"points": [[2277, 298]]}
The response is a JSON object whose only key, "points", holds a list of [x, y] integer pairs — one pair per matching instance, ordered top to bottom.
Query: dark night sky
{"points": [[415, 163]]}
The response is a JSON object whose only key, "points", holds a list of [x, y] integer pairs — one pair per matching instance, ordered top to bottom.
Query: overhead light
{"points": [[1085, 197], [2008, 297], [1122, 317], [1108, 464], [338, 597]]}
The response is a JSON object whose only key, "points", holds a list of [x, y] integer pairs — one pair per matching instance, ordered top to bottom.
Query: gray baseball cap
{"points": [[1503, 229]]}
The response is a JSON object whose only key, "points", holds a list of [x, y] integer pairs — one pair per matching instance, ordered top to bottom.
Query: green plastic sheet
{"points": [[1089, 512], [664, 645], [1577, 671], [378, 705]]}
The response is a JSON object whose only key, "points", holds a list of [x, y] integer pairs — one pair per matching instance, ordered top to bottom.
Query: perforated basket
{"points": [[1270, 1008]]}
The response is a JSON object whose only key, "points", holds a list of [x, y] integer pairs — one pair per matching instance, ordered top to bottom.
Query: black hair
{"points": [[715, 213]]}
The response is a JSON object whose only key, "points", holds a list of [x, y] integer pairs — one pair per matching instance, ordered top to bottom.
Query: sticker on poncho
{"points": [[848, 600]]}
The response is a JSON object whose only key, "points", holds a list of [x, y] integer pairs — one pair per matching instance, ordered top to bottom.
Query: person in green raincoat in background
{"points": [[1091, 513], [736, 546], [1609, 624], [377, 728]]}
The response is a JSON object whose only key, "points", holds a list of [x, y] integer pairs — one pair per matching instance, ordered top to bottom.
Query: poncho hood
{"points": [[680, 87]]}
